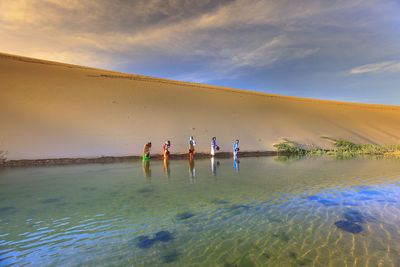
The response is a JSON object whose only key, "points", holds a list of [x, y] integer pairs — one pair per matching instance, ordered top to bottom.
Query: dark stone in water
{"points": [[87, 188], [145, 190], [50, 200], [219, 201], [327, 202], [8, 210], [184, 215], [354, 216], [349, 227], [163, 236], [282, 236], [145, 242], [266, 255], [170, 256], [304, 262]]}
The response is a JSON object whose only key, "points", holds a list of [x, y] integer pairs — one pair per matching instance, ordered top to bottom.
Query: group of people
{"points": [[192, 144]]}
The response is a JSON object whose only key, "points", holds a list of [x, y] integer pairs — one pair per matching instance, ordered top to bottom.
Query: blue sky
{"points": [[336, 49]]}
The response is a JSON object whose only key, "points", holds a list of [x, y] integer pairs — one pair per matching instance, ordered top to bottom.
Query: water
{"points": [[260, 212]]}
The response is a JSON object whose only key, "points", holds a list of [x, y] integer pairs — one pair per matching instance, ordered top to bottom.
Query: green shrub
{"points": [[342, 148]]}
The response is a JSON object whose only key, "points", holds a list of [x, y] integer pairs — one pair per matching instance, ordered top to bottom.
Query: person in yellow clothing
{"points": [[192, 143], [146, 151]]}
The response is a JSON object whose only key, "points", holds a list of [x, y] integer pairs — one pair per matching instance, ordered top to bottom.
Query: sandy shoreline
{"points": [[102, 160]]}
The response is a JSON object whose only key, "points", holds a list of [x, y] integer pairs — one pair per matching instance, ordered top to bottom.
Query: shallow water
{"points": [[260, 212]]}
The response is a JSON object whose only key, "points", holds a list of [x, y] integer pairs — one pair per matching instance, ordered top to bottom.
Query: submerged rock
{"points": [[88, 188], [145, 190], [50, 200], [8, 210], [184, 215], [354, 216], [349, 227], [163, 236], [282, 236], [145, 242], [170, 256]]}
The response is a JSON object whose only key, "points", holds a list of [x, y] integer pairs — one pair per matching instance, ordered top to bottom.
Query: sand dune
{"points": [[53, 110]]}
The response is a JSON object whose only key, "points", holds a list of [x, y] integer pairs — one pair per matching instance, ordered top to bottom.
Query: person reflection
{"points": [[236, 164], [214, 166], [146, 168], [166, 169], [192, 170]]}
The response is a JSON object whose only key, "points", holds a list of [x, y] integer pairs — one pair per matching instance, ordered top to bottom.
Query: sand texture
{"points": [[55, 110]]}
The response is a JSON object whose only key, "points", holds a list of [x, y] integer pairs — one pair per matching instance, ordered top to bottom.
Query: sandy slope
{"points": [[50, 110]]}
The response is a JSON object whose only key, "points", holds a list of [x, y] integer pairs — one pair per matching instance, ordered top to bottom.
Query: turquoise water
{"points": [[263, 211]]}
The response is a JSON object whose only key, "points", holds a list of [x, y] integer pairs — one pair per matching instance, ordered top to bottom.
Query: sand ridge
{"points": [[57, 110]]}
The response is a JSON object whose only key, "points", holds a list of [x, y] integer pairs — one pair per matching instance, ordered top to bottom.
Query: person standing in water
{"points": [[192, 143], [214, 146], [166, 147], [235, 148], [146, 151]]}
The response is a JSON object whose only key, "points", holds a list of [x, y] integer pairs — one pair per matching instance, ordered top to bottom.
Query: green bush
{"points": [[342, 148]]}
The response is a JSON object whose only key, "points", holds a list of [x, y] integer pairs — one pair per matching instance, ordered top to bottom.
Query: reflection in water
{"points": [[236, 164], [214, 166], [146, 168], [166, 168], [192, 170], [310, 212]]}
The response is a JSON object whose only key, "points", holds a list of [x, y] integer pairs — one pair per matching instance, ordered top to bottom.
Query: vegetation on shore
{"points": [[342, 148]]}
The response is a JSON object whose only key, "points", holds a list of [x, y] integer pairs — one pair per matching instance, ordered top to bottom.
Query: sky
{"points": [[327, 49]]}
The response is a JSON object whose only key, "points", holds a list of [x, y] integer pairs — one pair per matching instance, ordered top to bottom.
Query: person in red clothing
{"points": [[166, 147]]}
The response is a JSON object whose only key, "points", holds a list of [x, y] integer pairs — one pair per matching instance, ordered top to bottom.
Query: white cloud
{"points": [[381, 67]]}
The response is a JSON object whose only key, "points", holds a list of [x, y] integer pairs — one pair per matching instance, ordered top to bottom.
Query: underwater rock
{"points": [[88, 188], [145, 190], [50, 200], [221, 202], [8, 210], [184, 215], [354, 216], [349, 227], [163, 236], [282, 236], [145, 242], [170, 256]]}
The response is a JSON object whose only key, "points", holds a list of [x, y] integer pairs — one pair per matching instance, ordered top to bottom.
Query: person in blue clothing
{"points": [[214, 146], [235, 148]]}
